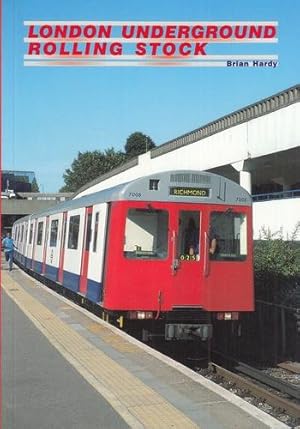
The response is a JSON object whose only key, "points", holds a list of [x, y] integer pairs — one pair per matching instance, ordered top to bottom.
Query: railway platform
{"points": [[65, 368]]}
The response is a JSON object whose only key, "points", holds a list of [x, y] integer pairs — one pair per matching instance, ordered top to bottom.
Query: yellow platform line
{"points": [[139, 405]]}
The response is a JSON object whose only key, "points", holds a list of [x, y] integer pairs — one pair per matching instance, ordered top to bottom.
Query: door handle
{"points": [[175, 261]]}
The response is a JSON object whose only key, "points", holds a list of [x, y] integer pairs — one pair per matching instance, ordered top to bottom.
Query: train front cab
{"points": [[160, 276]]}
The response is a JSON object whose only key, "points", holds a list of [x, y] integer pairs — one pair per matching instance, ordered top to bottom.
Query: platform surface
{"points": [[65, 368]]}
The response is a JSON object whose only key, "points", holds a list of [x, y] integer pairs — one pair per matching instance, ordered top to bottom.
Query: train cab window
{"points": [[22, 232], [53, 232], [73, 232], [96, 232], [30, 233], [40, 233], [146, 234], [188, 235], [228, 236]]}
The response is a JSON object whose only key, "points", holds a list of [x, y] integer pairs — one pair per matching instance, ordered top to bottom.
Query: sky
{"points": [[52, 113]]}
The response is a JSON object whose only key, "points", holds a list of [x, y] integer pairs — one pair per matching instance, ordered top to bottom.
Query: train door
{"points": [[34, 244], [45, 246], [25, 249], [85, 250], [187, 257], [227, 274], [60, 275]]}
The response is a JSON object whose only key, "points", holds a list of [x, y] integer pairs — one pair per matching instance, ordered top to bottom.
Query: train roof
{"points": [[183, 186]]}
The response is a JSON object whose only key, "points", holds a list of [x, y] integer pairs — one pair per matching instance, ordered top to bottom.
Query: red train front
{"points": [[180, 248]]}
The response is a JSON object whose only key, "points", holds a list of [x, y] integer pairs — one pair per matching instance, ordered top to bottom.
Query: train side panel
{"points": [[20, 236], [15, 237], [26, 240], [18, 242], [29, 245], [38, 245], [52, 246], [73, 249], [96, 252]]}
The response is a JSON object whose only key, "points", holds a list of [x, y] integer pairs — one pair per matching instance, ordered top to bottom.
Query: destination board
{"points": [[183, 191]]}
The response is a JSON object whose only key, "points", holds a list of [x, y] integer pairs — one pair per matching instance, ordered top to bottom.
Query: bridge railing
{"points": [[263, 107], [276, 195]]}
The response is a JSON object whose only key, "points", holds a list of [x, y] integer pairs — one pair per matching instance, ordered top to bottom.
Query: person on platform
{"points": [[8, 247]]}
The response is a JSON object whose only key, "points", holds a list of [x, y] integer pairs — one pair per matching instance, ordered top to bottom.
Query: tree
{"points": [[138, 143], [88, 166], [35, 186], [276, 264]]}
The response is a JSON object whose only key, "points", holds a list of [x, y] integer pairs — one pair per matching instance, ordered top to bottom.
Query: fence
{"points": [[270, 335]]}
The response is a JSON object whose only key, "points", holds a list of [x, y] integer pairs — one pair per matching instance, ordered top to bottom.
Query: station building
{"points": [[257, 146], [16, 181], [18, 198]]}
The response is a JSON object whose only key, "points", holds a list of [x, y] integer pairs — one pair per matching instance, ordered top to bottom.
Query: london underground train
{"points": [[173, 247]]}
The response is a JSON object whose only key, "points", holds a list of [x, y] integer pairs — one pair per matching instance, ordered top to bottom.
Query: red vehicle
{"points": [[173, 247]]}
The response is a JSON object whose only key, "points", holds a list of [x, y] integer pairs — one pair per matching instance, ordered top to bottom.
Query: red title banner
{"points": [[89, 43]]}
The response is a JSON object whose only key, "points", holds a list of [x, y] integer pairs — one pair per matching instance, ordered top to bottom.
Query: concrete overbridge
{"points": [[257, 146]]}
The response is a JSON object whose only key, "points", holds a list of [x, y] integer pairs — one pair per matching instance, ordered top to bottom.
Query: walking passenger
{"points": [[8, 247]]}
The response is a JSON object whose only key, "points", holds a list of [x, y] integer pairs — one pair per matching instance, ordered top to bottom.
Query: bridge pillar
{"points": [[245, 175], [245, 180]]}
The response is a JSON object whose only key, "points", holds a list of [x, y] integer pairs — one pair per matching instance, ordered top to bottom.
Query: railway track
{"points": [[275, 383], [261, 391]]}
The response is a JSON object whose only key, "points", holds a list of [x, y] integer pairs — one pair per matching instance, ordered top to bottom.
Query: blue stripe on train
{"points": [[38, 266], [51, 272], [71, 281], [94, 291]]}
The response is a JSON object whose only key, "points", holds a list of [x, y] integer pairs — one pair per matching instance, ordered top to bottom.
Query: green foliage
{"points": [[138, 143], [90, 165], [35, 186], [276, 262]]}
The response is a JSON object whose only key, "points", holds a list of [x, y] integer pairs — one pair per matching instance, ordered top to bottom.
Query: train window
{"points": [[22, 232], [53, 232], [73, 232], [88, 232], [96, 232], [30, 233], [40, 233], [146, 234], [188, 235], [228, 236]]}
